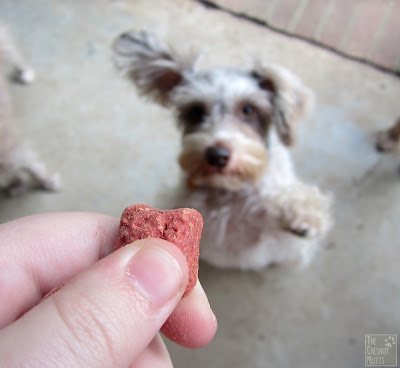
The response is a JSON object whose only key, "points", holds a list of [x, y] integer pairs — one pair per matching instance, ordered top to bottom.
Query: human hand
{"points": [[110, 311]]}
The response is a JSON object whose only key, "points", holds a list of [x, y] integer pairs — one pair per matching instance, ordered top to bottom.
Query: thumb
{"points": [[104, 317]]}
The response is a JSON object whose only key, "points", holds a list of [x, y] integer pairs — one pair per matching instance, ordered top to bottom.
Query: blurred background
{"points": [[113, 148]]}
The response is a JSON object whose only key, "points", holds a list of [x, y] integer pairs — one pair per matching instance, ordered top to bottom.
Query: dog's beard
{"points": [[245, 167]]}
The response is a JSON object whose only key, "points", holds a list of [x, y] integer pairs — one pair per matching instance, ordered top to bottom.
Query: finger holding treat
{"points": [[101, 305]]}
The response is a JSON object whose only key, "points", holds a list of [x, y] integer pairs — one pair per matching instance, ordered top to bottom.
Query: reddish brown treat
{"points": [[181, 227]]}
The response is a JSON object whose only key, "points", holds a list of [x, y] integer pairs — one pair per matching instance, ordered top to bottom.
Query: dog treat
{"points": [[181, 227]]}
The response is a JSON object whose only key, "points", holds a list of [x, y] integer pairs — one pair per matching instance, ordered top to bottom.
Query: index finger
{"points": [[38, 253]]}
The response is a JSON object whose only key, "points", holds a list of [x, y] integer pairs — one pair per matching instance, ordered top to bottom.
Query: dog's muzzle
{"points": [[217, 156]]}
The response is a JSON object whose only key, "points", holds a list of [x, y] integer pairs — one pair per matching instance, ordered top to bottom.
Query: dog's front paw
{"points": [[306, 212]]}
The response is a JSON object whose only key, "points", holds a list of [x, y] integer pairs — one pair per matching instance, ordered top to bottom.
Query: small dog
{"points": [[19, 167], [239, 175]]}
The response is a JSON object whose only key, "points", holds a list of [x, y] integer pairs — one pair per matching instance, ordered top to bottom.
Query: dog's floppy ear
{"points": [[154, 68], [291, 99]]}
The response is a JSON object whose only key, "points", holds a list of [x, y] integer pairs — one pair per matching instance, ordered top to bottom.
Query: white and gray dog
{"points": [[19, 166], [239, 175]]}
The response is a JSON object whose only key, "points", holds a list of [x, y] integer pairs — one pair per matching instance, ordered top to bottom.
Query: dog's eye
{"points": [[248, 110], [193, 114], [253, 116]]}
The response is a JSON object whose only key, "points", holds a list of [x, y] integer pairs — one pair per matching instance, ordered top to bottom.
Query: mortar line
{"points": [[272, 9], [297, 15], [324, 19], [351, 24], [380, 29]]}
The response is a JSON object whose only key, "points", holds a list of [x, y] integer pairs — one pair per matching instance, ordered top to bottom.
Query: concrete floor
{"points": [[113, 149]]}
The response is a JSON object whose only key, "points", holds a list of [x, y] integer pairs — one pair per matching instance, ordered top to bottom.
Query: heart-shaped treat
{"points": [[181, 227]]}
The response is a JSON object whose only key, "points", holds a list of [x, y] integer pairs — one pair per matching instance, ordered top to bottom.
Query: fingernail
{"points": [[155, 274]]}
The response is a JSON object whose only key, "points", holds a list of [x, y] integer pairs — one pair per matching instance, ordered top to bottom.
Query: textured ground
{"points": [[114, 149]]}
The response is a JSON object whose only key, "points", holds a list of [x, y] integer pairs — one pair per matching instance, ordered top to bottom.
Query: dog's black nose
{"points": [[217, 156]]}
